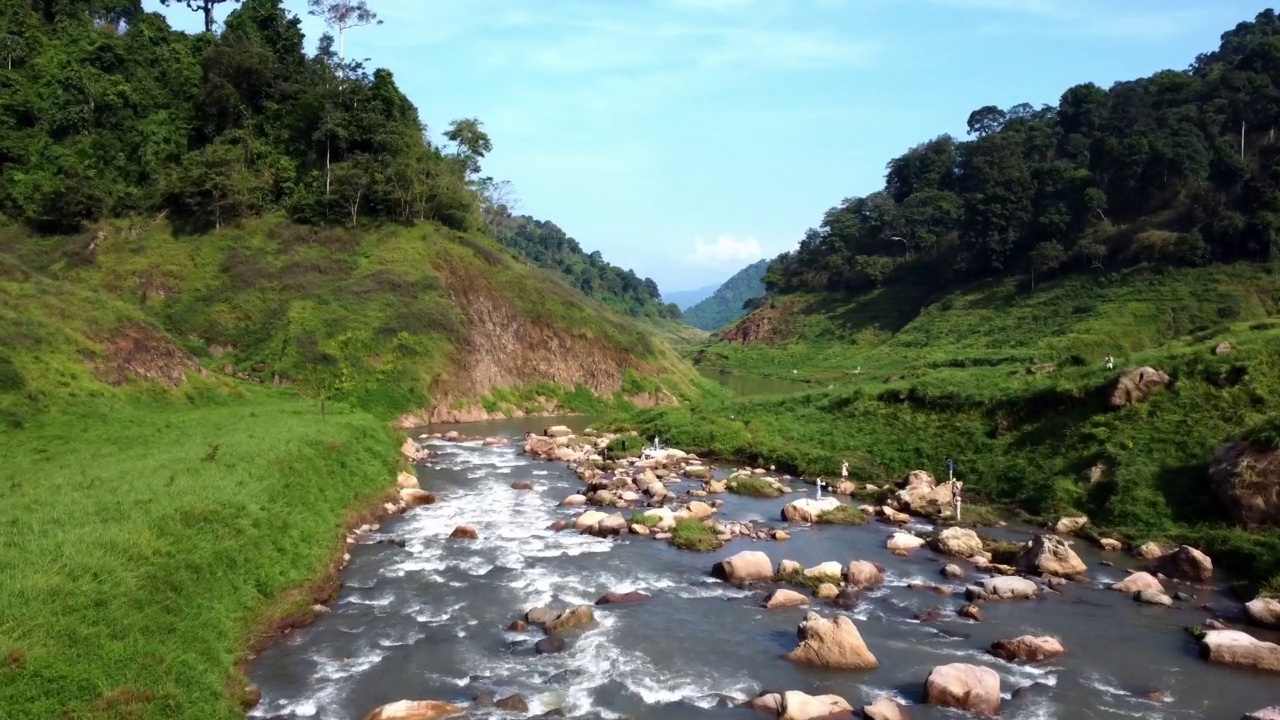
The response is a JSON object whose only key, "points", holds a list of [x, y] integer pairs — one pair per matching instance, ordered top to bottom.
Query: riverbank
{"points": [[150, 543]]}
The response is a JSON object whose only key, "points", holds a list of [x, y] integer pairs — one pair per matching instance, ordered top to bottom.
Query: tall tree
{"points": [[204, 7], [343, 15], [471, 142]]}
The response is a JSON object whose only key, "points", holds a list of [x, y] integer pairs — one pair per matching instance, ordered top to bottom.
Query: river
{"points": [[428, 621]]}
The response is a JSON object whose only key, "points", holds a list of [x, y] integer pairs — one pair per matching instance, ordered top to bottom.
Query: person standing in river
{"points": [[956, 487]]}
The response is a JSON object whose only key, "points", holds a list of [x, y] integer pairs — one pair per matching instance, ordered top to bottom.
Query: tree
{"points": [[201, 6], [343, 15], [11, 47], [986, 120], [471, 142], [1046, 257]]}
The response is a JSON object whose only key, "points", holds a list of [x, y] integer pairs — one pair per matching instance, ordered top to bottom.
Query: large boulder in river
{"points": [[1136, 386], [556, 431], [406, 481], [1247, 481], [923, 496], [416, 497], [809, 510], [665, 517], [588, 520], [1068, 525], [902, 542], [958, 542], [1051, 555], [1183, 563], [745, 567], [829, 570], [861, 573], [1138, 582], [1003, 588], [625, 598], [784, 598], [1264, 612], [575, 617], [834, 643], [1028, 648], [1237, 649], [971, 688], [796, 705], [885, 708], [415, 710]]}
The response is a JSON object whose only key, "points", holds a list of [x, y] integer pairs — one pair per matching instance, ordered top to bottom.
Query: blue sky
{"points": [[688, 138]]}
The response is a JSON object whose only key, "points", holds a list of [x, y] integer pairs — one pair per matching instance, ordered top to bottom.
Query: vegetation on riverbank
{"points": [[695, 535]]}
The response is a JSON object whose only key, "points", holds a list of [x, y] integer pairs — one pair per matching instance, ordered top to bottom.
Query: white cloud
{"points": [[726, 250]]}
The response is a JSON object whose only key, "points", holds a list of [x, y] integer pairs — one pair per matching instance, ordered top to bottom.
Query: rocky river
{"points": [[425, 616]]}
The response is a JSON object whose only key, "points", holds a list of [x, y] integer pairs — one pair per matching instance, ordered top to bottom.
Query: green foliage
{"points": [[1151, 170], [729, 301], [626, 446], [754, 487], [846, 514], [639, 518], [695, 535], [136, 577], [799, 579]]}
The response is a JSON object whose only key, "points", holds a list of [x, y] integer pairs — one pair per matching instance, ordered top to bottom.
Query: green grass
{"points": [[962, 385], [753, 487], [844, 515], [639, 518], [696, 536], [143, 547], [799, 579]]}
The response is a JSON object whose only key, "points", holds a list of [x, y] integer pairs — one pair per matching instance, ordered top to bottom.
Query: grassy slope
{"points": [[378, 300], [960, 385], [147, 534]]}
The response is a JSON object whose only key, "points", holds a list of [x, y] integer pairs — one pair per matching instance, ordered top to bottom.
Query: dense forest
{"points": [[1181, 167], [548, 247], [731, 300]]}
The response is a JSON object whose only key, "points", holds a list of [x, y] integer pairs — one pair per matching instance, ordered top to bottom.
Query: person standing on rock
{"points": [[844, 471], [956, 487]]}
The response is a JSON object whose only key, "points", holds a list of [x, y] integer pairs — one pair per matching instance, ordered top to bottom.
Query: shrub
{"points": [[696, 536]]}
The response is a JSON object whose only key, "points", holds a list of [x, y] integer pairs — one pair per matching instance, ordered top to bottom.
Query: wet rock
{"points": [[1137, 386], [557, 431], [697, 471], [407, 481], [1247, 481], [522, 485], [846, 487], [923, 496], [416, 497], [574, 500], [697, 510], [808, 510], [890, 515], [588, 520], [558, 525], [612, 525], [1069, 525], [637, 529], [464, 532], [781, 535], [904, 541], [958, 542], [1109, 544], [1149, 551], [1051, 555], [1183, 563], [745, 567], [790, 567], [830, 569], [952, 571], [861, 573], [1137, 582], [1002, 588], [827, 591], [1183, 596], [1153, 597], [613, 598], [784, 598], [847, 599], [971, 611], [1264, 612], [541, 615], [931, 615], [575, 617], [1214, 624], [518, 626], [834, 643], [550, 645], [1028, 649], [1236, 649], [971, 688], [1035, 689], [483, 700], [513, 703], [769, 703], [796, 705], [884, 709], [415, 710], [552, 713]]}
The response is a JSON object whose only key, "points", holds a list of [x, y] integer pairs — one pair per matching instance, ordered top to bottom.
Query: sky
{"points": [[686, 139]]}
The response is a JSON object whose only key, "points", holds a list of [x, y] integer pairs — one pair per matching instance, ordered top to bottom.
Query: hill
{"points": [[685, 299], [729, 301]]}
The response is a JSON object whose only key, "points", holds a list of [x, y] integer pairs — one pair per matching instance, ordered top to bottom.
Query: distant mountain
{"points": [[686, 299], [725, 304]]}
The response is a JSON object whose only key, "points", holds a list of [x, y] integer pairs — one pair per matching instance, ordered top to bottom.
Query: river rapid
{"points": [[429, 620]]}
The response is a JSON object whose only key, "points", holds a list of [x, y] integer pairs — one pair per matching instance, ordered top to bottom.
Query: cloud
{"points": [[726, 250]]}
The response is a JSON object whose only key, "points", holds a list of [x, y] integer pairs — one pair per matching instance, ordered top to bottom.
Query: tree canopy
{"points": [[106, 111], [1179, 167], [731, 300]]}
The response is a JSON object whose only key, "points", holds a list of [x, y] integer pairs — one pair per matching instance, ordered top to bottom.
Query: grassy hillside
{"points": [[726, 304], [389, 318], [1011, 385]]}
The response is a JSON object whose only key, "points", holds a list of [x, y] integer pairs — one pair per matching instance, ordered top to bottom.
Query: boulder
{"points": [[1222, 348], [1137, 386], [557, 431], [697, 471], [406, 481], [1247, 481], [522, 485], [715, 487], [846, 487], [923, 496], [415, 497], [574, 501], [699, 510], [808, 510], [890, 515], [666, 518], [588, 520], [612, 525], [1068, 525], [464, 532], [904, 541], [958, 542], [1109, 544], [1149, 551], [1051, 555], [1183, 563], [745, 567], [790, 567], [830, 569], [953, 571], [861, 573], [1137, 582], [1005, 588], [827, 591], [1153, 597], [613, 598], [784, 598], [971, 611], [1264, 612], [575, 617], [834, 643], [550, 645], [1028, 649], [1236, 649], [971, 688], [513, 703], [768, 703], [796, 705], [884, 709], [415, 710], [1270, 713]]}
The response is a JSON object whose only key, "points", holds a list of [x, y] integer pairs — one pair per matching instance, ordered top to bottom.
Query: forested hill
{"points": [[1180, 167], [548, 247], [730, 301]]}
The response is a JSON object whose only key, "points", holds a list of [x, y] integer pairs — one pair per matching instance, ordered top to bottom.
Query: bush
{"points": [[753, 487], [846, 514], [696, 536]]}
